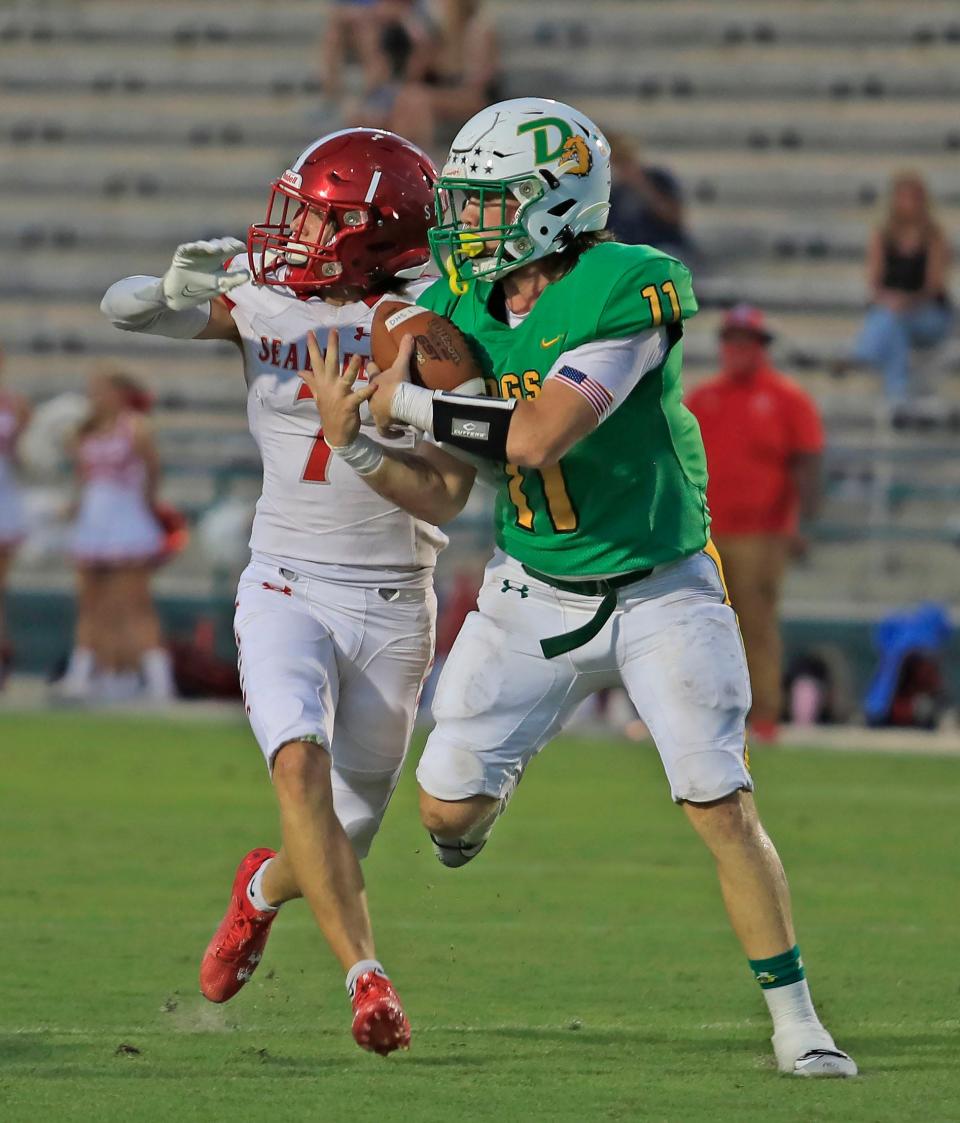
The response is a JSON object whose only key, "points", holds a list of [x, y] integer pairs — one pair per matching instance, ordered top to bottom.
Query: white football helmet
{"points": [[547, 155]]}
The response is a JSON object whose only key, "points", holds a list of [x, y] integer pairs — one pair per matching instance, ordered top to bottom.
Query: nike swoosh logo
{"points": [[187, 291], [545, 343]]}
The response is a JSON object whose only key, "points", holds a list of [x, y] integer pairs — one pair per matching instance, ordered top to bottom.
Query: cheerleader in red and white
{"points": [[14, 414], [116, 540]]}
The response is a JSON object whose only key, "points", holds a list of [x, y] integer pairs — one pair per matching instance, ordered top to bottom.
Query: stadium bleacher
{"points": [[128, 128]]}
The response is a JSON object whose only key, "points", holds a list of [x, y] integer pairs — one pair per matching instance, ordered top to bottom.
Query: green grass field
{"points": [[580, 969]]}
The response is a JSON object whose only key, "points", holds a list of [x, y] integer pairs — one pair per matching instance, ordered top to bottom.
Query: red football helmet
{"points": [[374, 187]]}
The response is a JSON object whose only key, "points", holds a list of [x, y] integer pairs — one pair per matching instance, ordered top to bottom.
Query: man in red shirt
{"points": [[764, 440]]}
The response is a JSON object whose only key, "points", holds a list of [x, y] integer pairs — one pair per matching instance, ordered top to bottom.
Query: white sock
{"points": [[81, 665], [157, 668], [119, 686], [255, 890], [361, 968], [791, 1006]]}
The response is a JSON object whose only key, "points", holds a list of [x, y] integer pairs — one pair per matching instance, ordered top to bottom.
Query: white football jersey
{"points": [[314, 507]]}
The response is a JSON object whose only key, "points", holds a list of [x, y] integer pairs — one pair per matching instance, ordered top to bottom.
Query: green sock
{"points": [[778, 970]]}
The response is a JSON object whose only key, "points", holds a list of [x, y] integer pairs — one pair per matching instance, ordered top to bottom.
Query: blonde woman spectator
{"points": [[908, 263], [14, 414], [115, 541]]}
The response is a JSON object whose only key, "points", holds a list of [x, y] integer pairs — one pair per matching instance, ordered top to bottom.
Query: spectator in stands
{"points": [[354, 30], [465, 73], [434, 76], [387, 104], [646, 201], [908, 263], [14, 414], [764, 439], [115, 541]]}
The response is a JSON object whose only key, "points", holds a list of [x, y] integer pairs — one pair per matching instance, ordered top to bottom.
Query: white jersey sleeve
{"points": [[606, 371], [314, 508]]}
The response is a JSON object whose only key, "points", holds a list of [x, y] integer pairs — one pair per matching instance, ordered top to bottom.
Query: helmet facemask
{"points": [[484, 252], [288, 259]]}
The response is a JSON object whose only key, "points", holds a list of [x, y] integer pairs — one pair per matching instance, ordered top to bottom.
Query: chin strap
{"points": [[471, 245]]}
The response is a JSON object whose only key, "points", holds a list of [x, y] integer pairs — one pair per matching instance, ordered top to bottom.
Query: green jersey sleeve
{"points": [[652, 290]]}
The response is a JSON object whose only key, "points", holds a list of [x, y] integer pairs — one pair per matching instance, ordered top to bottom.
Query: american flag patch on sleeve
{"points": [[596, 394]]}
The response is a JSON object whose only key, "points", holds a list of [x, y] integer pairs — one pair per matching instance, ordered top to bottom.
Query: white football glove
{"points": [[196, 273]]}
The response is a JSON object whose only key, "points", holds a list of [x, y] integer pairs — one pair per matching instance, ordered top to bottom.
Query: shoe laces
{"points": [[243, 929], [371, 982]]}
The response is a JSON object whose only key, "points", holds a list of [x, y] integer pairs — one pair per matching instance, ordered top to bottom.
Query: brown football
{"points": [[443, 359]]}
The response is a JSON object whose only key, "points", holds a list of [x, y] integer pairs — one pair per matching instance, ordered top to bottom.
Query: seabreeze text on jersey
{"points": [[295, 356]]}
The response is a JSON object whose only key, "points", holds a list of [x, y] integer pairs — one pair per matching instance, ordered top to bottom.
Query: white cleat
{"points": [[453, 855], [811, 1052], [825, 1062]]}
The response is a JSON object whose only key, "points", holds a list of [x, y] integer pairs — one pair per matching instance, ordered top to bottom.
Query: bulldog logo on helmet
{"points": [[575, 156]]}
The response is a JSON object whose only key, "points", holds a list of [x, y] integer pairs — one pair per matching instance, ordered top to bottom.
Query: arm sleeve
{"points": [[136, 304], [606, 371]]}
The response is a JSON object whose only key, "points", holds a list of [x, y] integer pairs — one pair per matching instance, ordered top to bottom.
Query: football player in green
{"points": [[604, 573]]}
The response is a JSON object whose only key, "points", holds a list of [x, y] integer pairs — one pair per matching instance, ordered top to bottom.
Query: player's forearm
{"points": [[137, 304], [177, 304], [536, 439], [406, 479], [409, 481]]}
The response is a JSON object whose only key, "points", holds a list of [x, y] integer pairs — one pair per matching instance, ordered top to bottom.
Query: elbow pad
{"points": [[137, 304], [477, 425]]}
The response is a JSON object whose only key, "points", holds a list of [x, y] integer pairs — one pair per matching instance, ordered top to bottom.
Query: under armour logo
{"points": [[509, 587]]}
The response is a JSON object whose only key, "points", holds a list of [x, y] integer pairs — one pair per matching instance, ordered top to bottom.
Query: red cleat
{"points": [[237, 945], [379, 1023]]}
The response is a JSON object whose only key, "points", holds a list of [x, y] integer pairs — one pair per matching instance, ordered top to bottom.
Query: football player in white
{"points": [[335, 613]]}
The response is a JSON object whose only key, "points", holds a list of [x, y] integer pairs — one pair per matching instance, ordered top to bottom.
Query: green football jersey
{"points": [[631, 494]]}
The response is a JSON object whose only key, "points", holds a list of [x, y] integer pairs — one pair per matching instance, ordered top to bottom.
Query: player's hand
{"points": [[196, 273], [386, 381], [337, 402], [390, 431]]}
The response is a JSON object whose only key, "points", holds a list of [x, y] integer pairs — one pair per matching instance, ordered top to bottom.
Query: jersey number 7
{"points": [[315, 469]]}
